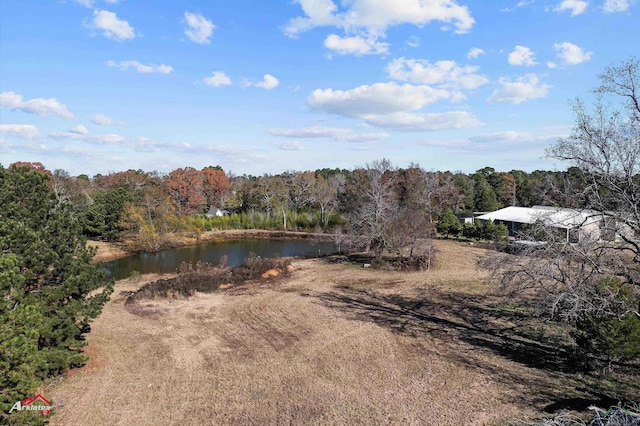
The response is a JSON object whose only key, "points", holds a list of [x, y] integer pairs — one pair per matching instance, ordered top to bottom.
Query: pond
{"points": [[236, 251]]}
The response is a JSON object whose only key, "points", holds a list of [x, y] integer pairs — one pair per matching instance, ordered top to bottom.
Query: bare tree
{"points": [[300, 186], [71, 189], [433, 191], [446, 194], [273, 195], [324, 195], [419, 200], [376, 208], [409, 230], [596, 276]]}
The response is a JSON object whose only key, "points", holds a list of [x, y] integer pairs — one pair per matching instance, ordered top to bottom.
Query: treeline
{"points": [[146, 208]]}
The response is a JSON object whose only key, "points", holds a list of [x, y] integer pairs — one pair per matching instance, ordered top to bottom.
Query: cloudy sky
{"points": [[255, 86]]}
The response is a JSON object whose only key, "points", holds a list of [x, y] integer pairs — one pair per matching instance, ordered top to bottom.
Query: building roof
{"points": [[551, 216]]}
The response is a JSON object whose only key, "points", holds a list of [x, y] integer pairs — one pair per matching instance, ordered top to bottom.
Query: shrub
{"points": [[449, 224], [423, 261], [206, 278], [601, 336], [614, 339]]}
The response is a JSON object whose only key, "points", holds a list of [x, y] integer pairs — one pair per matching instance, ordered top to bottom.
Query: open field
{"points": [[333, 343]]}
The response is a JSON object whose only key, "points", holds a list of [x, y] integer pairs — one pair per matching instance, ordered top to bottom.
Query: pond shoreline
{"points": [[111, 251]]}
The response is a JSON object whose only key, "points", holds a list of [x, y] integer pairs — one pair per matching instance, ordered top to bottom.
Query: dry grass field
{"points": [[333, 343]]}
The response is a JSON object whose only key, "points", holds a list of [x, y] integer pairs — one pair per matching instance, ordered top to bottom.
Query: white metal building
{"points": [[578, 224]]}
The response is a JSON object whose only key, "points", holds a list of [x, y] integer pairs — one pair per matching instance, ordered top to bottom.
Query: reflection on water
{"points": [[236, 251]]}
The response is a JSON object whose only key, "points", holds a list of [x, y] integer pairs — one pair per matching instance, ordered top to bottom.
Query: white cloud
{"points": [[520, 4], [611, 6], [576, 7], [318, 13], [376, 15], [112, 27], [199, 28], [413, 41], [355, 45], [474, 52], [571, 54], [521, 56], [552, 65], [141, 68], [445, 74], [217, 79], [268, 82], [515, 92], [378, 98], [391, 105], [39, 106], [101, 119], [423, 121], [79, 129], [25, 131], [340, 134], [506, 136], [362, 137], [99, 139], [515, 141], [145, 144], [290, 146]]}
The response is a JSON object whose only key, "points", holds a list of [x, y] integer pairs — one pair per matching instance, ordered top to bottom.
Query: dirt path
{"points": [[333, 344]]}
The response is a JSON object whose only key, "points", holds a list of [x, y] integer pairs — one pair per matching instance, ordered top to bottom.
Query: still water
{"points": [[236, 251]]}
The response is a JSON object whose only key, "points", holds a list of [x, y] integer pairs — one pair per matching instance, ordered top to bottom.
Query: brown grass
{"points": [[107, 251], [330, 344]]}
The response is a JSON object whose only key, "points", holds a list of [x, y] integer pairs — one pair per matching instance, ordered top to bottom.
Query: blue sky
{"points": [[93, 86]]}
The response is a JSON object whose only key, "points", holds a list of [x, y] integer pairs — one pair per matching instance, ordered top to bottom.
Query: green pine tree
{"points": [[486, 199], [103, 216], [449, 224], [49, 289]]}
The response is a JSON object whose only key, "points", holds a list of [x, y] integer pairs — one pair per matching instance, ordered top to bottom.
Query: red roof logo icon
{"points": [[40, 401]]}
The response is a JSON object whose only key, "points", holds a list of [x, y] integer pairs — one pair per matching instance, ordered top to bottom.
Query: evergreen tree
{"points": [[465, 187], [486, 200], [104, 215], [449, 224], [49, 290]]}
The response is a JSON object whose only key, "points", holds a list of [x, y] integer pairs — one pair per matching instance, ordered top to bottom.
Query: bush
{"points": [[449, 224], [471, 231], [486, 231], [421, 261], [204, 277], [602, 336], [615, 339]]}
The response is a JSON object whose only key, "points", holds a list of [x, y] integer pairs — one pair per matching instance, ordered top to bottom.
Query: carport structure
{"points": [[577, 224]]}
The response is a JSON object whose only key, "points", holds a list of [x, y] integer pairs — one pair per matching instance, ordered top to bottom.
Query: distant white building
{"points": [[216, 212], [577, 224]]}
